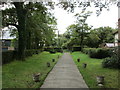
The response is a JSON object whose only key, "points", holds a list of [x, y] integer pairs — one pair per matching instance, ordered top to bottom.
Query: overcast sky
{"points": [[107, 18], [64, 19]]}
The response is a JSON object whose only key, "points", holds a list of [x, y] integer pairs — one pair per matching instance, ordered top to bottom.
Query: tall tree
{"points": [[17, 16], [82, 27]]}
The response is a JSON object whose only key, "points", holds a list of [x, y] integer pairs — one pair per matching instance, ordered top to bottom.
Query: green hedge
{"points": [[77, 48], [53, 50], [86, 50], [98, 52], [8, 56]]}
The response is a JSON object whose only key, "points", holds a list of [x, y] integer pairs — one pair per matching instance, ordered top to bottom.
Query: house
{"points": [[115, 38], [6, 45], [107, 45]]}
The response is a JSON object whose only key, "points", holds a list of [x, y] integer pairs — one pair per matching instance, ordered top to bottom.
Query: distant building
{"points": [[115, 38], [6, 45], [107, 45]]}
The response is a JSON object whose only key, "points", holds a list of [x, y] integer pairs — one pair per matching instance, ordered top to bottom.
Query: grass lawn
{"points": [[93, 69], [18, 74]]}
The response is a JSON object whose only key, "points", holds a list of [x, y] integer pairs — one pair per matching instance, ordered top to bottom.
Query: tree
{"points": [[99, 5], [17, 16], [18, 19], [82, 27], [40, 29], [105, 34], [92, 40]]}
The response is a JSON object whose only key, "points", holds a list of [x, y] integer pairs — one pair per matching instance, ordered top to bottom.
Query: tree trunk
{"points": [[21, 14], [82, 37], [81, 42], [37, 43], [28, 44]]}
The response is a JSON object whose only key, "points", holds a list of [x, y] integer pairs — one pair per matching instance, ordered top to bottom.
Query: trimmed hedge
{"points": [[76, 48], [53, 50], [86, 50], [98, 52], [8, 56]]}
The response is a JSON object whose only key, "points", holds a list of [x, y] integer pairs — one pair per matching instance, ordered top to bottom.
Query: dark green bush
{"points": [[76, 48], [53, 50], [58, 50], [86, 50], [98, 52], [28, 53], [93, 53], [103, 53], [8, 56], [111, 62]]}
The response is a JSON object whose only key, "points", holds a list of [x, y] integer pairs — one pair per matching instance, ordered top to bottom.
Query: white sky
{"points": [[107, 18], [64, 19]]}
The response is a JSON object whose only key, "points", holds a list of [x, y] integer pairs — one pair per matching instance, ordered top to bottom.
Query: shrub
{"points": [[76, 48], [53, 50], [58, 50], [86, 50], [98, 52], [29, 53], [93, 53], [103, 53], [8, 56], [111, 62]]}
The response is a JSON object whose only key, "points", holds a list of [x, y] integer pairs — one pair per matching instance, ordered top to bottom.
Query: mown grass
{"points": [[94, 68], [18, 74]]}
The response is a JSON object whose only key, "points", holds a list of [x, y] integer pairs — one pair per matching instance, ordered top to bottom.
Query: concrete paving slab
{"points": [[65, 74]]}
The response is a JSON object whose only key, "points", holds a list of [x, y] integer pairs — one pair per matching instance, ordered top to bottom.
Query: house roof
{"points": [[115, 32], [6, 39], [109, 44]]}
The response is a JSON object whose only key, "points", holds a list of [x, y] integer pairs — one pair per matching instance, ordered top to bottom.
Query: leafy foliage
{"points": [[99, 5], [35, 25], [76, 33], [98, 52], [9, 56], [111, 62]]}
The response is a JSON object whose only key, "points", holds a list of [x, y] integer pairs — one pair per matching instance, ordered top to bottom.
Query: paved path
{"points": [[64, 75]]}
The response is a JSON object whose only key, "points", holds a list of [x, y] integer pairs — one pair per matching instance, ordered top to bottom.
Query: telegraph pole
{"points": [[119, 29], [118, 38], [58, 39]]}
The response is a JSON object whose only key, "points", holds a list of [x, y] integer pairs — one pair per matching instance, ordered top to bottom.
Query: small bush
{"points": [[111, 62]]}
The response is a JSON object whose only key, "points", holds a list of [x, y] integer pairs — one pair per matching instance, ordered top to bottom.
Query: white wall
{"points": [[116, 39]]}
